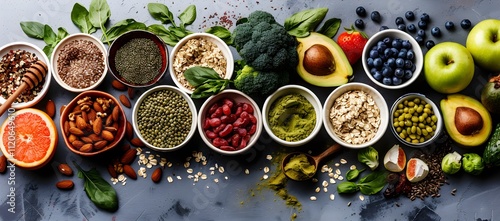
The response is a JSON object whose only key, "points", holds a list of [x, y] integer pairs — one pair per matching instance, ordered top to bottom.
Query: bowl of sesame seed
{"points": [[138, 58], [79, 62]]}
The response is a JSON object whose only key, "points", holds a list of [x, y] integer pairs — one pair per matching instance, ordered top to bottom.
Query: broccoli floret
{"points": [[264, 44], [253, 82]]}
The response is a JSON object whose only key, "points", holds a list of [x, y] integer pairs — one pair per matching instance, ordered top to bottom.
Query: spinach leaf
{"points": [[99, 13], [161, 13], [188, 16], [80, 17], [303, 22], [123, 26], [331, 27], [33, 29], [178, 32], [221, 32], [61, 33], [164, 34], [49, 37], [48, 49], [197, 75], [209, 88], [372, 183], [347, 187], [99, 191]]}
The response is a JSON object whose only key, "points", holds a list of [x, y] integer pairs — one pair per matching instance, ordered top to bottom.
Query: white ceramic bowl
{"points": [[393, 33], [57, 51], [226, 52], [41, 56], [286, 90], [238, 97], [379, 101], [192, 107], [435, 110]]}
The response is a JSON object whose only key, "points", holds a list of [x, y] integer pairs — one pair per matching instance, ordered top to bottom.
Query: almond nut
{"points": [[118, 85], [131, 92], [125, 101], [97, 107], [50, 108], [116, 113], [92, 115], [85, 116], [109, 120], [81, 123], [97, 126], [66, 128], [111, 129], [75, 131], [129, 131], [107, 135], [95, 137], [72, 138], [86, 140], [137, 142], [77, 144], [100, 144], [87, 148], [124, 148], [129, 156], [3, 164], [65, 169], [112, 171], [129, 171], [156, 176], [65, 184]]}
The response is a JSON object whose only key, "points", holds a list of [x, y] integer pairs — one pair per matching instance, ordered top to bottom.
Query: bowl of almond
{"points": [[92, 123]]}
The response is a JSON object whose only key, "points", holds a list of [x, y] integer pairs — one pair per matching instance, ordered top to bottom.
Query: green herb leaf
{"points": [[99, 13], [161, 13], [188, 16], [80, 17], [302, 23], [123, 26], [331, 27], [33, 29], [178, 32], [221, 32], [61, 34], [164, 34], [49, 37], [48, 49], [198, 75], [209, 88], [353, 174], [372, 183], [347, 187], [99, 191]]}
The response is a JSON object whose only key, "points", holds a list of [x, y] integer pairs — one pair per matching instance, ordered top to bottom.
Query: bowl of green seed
{"points": [[138, 58], [164, 118], [415, 120]]}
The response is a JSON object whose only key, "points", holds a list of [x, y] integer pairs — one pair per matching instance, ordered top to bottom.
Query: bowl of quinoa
{"points": [[200, 49], [138, 58], [15, 59], [79, 62]]}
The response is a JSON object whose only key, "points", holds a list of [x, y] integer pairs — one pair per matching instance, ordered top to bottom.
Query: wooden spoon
{"points": [[33, 76], [313, 160]]}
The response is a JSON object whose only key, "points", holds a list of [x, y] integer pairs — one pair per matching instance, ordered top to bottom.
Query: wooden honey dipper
{"points": [[33, 76]]}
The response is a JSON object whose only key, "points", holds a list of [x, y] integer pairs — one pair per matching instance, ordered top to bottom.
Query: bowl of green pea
{"points": [[164, 118], [415, 120]]}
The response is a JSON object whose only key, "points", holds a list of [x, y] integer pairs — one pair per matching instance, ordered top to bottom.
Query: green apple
{"points": [[483, 42], [448, 67]]}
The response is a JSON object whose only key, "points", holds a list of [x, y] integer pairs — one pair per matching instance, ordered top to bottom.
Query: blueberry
{"points": [[360, 11], [410, 15], [375, 16], [425, 17], [399, 21], [359, 23], [422, 24], [465, 24], [449, 25], [383, 27], [402, 27], [411, 28], [436, 32], [421, 33], [419, 39], [387, 40], [396, 43], [406, 44], [429, 44], [381, 48], [387, 52], [394, 52], [373, 54], [402, 54], [410, 54], [369, 62], [377, 62], [391, 62], [400, 62], [408, 64], [387, 71], [399, 72], [408, 74], [377, 75], [387, 81], [396, 81]]}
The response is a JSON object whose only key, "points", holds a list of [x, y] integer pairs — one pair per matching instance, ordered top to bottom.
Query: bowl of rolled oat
{"points": [[200, 49], [15, 59], [79, 62], [355, 115]]}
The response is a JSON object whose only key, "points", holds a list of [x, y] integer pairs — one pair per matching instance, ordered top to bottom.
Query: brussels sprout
{"points": [[369, 156], [451, 163], [472, 163]]}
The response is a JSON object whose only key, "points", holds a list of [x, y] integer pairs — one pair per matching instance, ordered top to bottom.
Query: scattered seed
{"points": [[269, 157], [343, 161], [187, 164], [337, 164], [352, 167], [221, 169], [266, 169], [189, 170], [247, 171], [337, 171], [265, 176], [121, 177], [179, 177], [340, 178], [170, 179], [216, 180], [332, 181], [325, 183], [325, 189], [317, 190], [332, 197], [361, 197], [313, 198], [349, 204]]}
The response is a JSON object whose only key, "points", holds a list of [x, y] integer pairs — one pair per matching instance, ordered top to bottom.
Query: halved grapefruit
{"points": [[29, 138], [416, 170]]}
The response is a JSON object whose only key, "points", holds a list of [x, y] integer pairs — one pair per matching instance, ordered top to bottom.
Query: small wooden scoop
{"points": [[33, 76]]}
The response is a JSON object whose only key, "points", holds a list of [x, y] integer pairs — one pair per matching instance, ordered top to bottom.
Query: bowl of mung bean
{"points": [[200, 49], [138, 58], [16, 59], [79, 62], [355, 115], [164, 118], [415, 120]]}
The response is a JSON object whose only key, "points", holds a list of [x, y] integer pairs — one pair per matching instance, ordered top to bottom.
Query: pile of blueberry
{"points": [[391, 61]]}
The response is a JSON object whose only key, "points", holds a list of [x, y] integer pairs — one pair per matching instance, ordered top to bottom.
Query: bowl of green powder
{"points": [[138, 58]]}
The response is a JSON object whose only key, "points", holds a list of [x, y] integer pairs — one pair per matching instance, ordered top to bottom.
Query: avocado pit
{"points": [[318, 60], [468, 121]]}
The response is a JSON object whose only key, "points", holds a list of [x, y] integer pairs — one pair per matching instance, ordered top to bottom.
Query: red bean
{"points": [[228, 102], [247, 107], [213, 108], [226, 109], [238, 111], [218, 113], [244, 114], [252, 118], [214, 122], [241, 122], [206, 124], [219, 128], [252, 129], [226, 131], [242, 131], [210, 134], [235, 140], [244, 141], [219, 142], [227, 148]]}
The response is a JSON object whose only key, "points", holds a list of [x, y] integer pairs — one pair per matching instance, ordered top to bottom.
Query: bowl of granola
{"points": [[200, 49], [355, 115]]}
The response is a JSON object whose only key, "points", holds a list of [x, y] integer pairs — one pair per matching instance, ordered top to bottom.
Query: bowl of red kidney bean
{"points": [[230, 122]]}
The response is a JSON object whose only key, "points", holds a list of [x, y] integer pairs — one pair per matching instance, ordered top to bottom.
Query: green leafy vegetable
{"points": [[161, 13], [99, 14], [188, 16], [80, 17], [302, 23], [123, 26], [331, 27], [33, 29], [179, 32], [221, 32], [173, 33], [61, 34], [164, 34], [49, 36], [206, 81], [369, 156], [353, 174], [372, 183], [347, 187], [99, 191]]}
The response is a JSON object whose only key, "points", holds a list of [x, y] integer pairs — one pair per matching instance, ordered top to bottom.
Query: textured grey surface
{"points": [[240, 197]]}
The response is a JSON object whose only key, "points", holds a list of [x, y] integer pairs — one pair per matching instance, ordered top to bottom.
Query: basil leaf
{"points": [[99, 13], [161, 13], [188, 16], [80, 17], [303, 22], [123, 26], [331, 27], [33, 29], [178, 32], [221, 32], [61, 34], [164, 34], [49, 37], [48, 49], [197, 75], [209, 88], [353, 174], [372, 183], [347, 187], [99, 191]]}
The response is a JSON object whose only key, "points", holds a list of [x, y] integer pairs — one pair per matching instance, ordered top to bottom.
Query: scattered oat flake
{"points": [[269, 157], [343, 161], [187, 164], [337, 164], [352, 167], [221, 169], [266, 169], [189, 170], [247, 171], [337, 171], [203, 176], [265, 176], [335, 176], [179, 177], [340, 178], [170, 179], [216, 180], [314, 180], [332, 181], [325, 183], [325, 189], [317, 190], [332, 197], [361, 197], [313, 198], [349, 204]]}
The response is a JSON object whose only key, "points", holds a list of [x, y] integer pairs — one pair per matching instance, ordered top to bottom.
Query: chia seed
{"points": [[138, 61], [13, 65]]}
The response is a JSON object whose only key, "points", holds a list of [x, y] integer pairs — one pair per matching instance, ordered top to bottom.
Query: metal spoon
{"points": [[313, 160]]}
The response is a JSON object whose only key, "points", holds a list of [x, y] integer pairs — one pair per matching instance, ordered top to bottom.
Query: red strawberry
{"points": [[352, 43]]}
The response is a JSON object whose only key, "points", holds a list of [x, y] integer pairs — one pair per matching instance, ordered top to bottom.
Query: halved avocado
{"points": [[322, 62], [466, 120]]}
